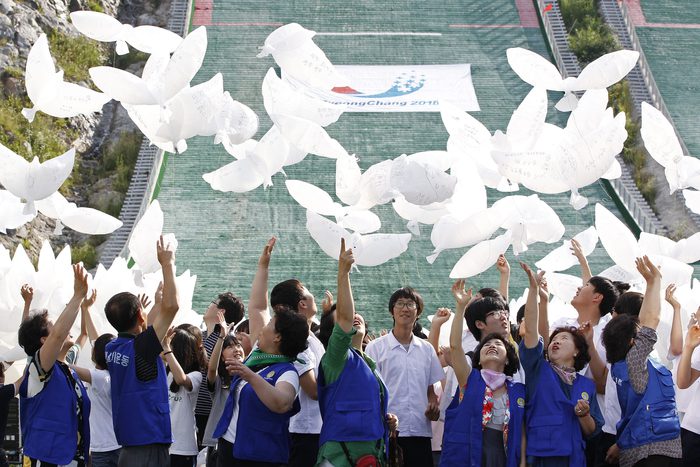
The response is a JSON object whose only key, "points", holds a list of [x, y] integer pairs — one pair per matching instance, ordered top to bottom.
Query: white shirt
{"points": [[407, 375], [290, 377], [683, 396], [612, 412], [308, 420], [691, 420], [182, 421], [102, 437]]}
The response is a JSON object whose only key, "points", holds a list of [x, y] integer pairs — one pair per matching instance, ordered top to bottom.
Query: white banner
{"points": [[402, 88]]}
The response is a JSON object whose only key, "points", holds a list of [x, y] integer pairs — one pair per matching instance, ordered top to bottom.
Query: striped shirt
{"points": [[203, 406]]}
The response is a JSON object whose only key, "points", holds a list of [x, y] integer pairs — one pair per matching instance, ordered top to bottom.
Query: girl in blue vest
{"points": [[54, 405], [562, 410], [483, 425], [254, 427], [648, 433]]}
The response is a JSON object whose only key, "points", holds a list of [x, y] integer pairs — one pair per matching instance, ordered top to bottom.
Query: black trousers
{"points": [[201, 426], [604, 442], [691, 448], [304, 449], [417, 451], [225, 458]]}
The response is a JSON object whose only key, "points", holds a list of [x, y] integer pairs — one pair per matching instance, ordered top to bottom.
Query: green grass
{"points": [[95, 5], [75, 55], [85, 253]]}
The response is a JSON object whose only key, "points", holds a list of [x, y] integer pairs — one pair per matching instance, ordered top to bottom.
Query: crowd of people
{"points": [[275, 388]]}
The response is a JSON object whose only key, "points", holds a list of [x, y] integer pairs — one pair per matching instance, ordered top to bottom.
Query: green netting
{"points": [[671, 11], [673, 60], [221, 234]]}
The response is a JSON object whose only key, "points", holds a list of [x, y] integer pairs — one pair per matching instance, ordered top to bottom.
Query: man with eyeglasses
{"points": [[409, 367]]}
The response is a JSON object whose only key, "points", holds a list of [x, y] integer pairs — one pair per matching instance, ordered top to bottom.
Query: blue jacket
{"points": [[351, 406], [140, 410], [648, 417], [49, 420], [553, 428], [261, 434], [462, 439]]}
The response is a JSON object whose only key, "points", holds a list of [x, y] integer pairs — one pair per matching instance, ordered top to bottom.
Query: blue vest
{"points": [[351, 406], [140, 410], [648, 417], [49, 419], [553, 428], [261, 434], [462, 439]]}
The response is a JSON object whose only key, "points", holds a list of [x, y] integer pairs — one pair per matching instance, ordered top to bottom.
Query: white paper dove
{"points": [[104, 28], [297, 55], [599, 74], [163, 76], [49, 93], [281, 98], [308, 136], [470, 139], [662, 144], [569, 158], [257, 166], [347, 179], [33, 181], [421, 183], [314, 198], [692, 200], [12, 212], [85, 220], [530, 220], [144, 237], [369, 250], [686, 250], [480, 257], [561, 259]]}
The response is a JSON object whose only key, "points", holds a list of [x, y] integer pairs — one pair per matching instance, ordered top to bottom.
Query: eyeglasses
{"points": [[214, 302], [409, 305], [498, 314]]}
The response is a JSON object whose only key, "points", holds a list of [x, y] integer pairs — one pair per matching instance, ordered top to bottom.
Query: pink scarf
{"points": [[493, 379]]}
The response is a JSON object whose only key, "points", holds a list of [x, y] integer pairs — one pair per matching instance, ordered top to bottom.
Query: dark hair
{"points": [[621, 287], [608, 290], [406, 292], [288, 293], [493, 293], [629, 303], [233, 307], [122, 311], [477, 311], [520, 315], [243, 326], [326, 328], [32, 330], [194, 330], [293, 330], [418, 330], [617, 336], [229, 341], [98, 350], [188, 353], [583, 357], [512, 361]]}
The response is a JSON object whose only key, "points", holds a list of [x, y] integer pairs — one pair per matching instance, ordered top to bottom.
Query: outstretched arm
{"points": [[582, 261], [504, 271], [27, 295], [170, 303], [345, 305], [543, 308], [85, 310], [258, 314], [649, 314], [441, 316], [531, 318], [675, 345], [52, 346], [460, 364], [213, 367], [598, 367], [83, 373], [686, 373], [179, 375], [278, 398]]}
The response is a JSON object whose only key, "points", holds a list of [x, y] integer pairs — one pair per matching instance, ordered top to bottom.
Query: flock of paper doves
{"points": [[442, 188]]}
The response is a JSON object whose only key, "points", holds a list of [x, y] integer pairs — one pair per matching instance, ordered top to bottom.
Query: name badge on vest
{"points": [[270, 374], [585, 396]]}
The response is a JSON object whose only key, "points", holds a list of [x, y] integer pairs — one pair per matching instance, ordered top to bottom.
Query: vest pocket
{"points": [[667, 388], [353, 416], [664, 420], [546, 429]]}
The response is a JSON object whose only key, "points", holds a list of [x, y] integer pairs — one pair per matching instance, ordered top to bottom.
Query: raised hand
{"points": [[576, 250], [165, 252], [266, 254], [346, 258], [502, 265], [647, 269], [530, 276], [80, 281], [542, 284], [27, 293], [462, 296], [158, 297], [671, 297], [89, 301], [145, 301], [327, 302], [441, 316], [221, 321], [587, 331], [692, 338], [167, 339], [237, 368], [582, 408]]}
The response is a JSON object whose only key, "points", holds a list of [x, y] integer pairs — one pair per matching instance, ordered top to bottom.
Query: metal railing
{"points": [[147, 168], [624, 187]]}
